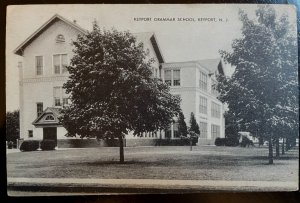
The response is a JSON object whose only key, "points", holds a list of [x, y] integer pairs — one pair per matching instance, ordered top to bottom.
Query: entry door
{"points": [[50, 134]]}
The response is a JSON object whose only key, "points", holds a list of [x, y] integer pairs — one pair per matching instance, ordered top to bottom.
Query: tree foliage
{"points": [[112, 90], [262, 93], [12, 126], [231, 126], [194, 127], [182, 128]]}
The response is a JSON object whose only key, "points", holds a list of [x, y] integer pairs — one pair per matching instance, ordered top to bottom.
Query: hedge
{"points": [[226, 142], [48, 144], [29, 145]]}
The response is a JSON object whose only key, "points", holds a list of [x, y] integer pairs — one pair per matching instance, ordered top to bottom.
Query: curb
{"points": [[118, 186]]}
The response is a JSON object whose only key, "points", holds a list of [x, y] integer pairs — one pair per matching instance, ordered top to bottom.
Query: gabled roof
{"points": [[55, 18], [144, 36], [212, 65], [55, 112]]}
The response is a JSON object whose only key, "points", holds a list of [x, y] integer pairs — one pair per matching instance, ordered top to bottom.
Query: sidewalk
{"points": [[9, 151], [113, 186]]}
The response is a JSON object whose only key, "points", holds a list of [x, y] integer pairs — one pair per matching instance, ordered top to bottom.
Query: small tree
{"points": [[112, 89], [12, 126], [194, 127], [182, 128], [194, 130]]}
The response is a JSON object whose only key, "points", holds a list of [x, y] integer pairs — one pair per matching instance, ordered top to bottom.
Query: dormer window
{"points": [[60, 38], [49, 118]]}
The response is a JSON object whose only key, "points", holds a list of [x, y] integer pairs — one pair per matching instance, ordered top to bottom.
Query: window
{"points": [[60, 38], [39, 63], [60, 63], [56, 64], [168, 77], [172, 77], [176, 77], [203, 81], [213, 87], [57, 96], [60, 97], [65, 101], [203, 105], [39, 108], [215, 110], [49, 118], [176, 130], [203, 130], [215, 131], [168, 132], [30, 133]]}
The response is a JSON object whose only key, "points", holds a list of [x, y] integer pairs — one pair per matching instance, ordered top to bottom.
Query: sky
{"points": [[178, 40]]}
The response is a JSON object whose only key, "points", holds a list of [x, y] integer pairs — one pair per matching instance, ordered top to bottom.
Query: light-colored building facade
{"points": [[48, 51], [194, 82]]}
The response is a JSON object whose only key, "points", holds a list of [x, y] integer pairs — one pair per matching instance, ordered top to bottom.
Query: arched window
{"points": [[60, 38], [49, 118]]}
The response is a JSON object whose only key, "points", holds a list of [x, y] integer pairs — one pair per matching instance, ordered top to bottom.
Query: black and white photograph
{"points": [[145, 98]]}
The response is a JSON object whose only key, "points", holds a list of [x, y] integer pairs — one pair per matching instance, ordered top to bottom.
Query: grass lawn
{"points": [[172, 162]]}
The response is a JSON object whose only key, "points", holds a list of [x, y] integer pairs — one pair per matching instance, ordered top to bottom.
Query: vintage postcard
{"points": [[114, 99]]}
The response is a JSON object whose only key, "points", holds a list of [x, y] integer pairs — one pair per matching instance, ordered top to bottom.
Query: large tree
{"points": [[112, 90], [262, 93], [12, 126]]}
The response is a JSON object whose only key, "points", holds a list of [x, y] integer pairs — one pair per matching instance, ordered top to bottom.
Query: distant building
{"points": [[48, 51]]}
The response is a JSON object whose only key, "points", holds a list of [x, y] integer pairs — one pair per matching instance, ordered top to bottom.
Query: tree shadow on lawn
{"points": [[275, 158], [115, 162], [201, 162]]}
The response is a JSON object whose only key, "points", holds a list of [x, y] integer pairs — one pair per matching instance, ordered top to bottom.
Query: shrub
{"points": [[194, 137], [183, 141], [220, 141], [231, 141], [246, 142], [10, 145], [29, 145], [48, 145]]}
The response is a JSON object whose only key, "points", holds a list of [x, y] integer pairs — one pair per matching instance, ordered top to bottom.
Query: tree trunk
{"points": [[159, 137], [191, 144], [287, 144], [277, 147], [282, 147], [121, 149], [270, 150]]}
